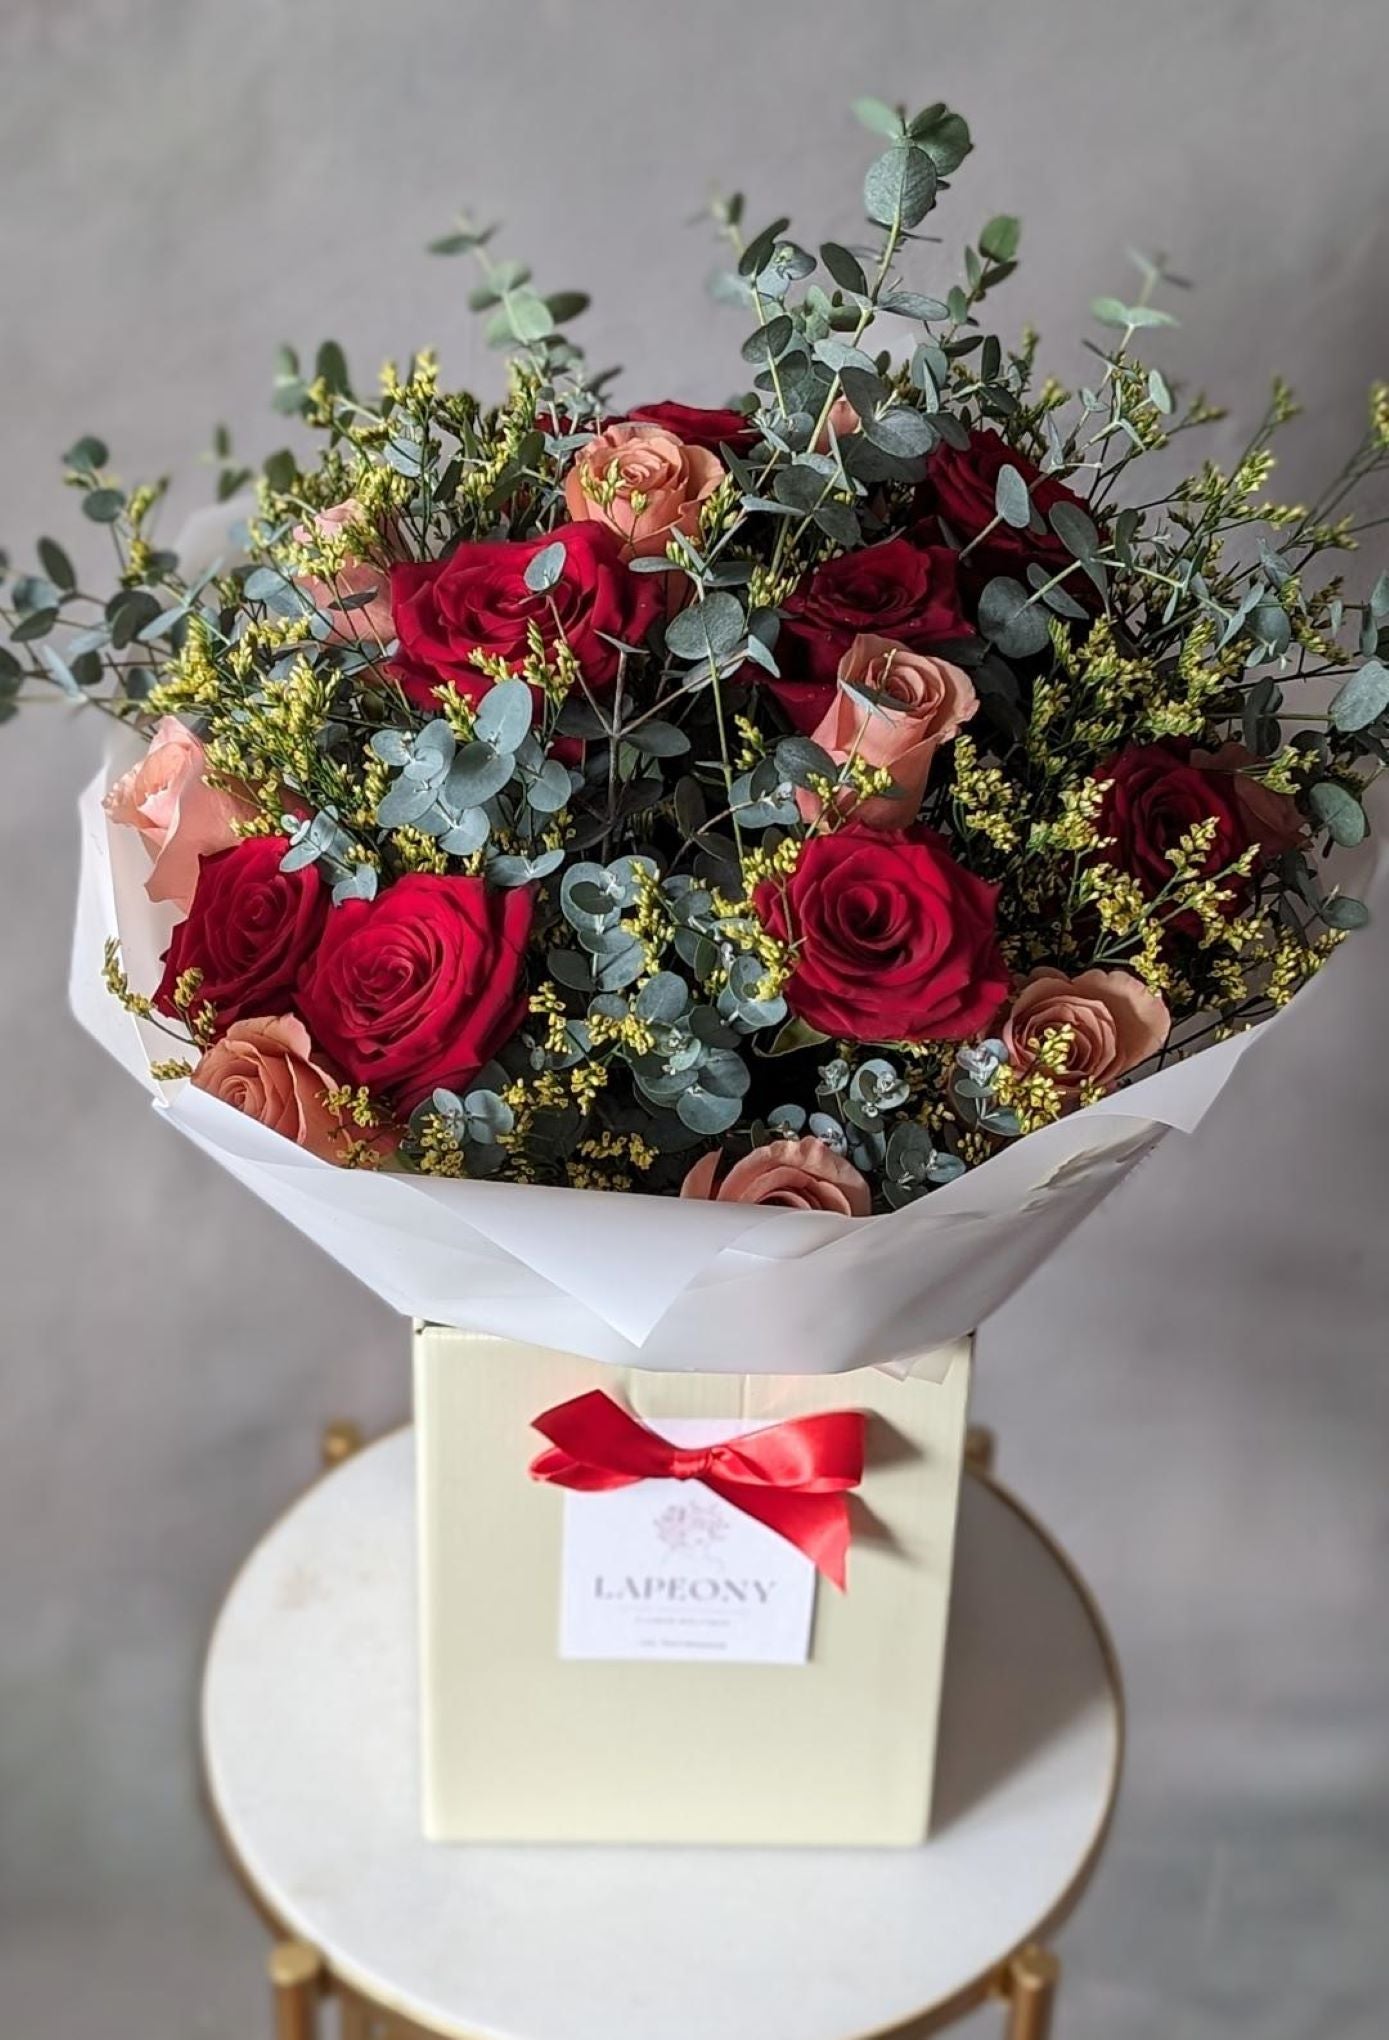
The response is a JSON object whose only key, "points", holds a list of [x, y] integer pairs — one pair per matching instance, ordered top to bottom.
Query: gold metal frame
{"points": [[1025, 1980]]}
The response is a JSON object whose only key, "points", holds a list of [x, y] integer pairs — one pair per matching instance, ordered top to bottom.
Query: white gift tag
{"points": [[668, 1569]]}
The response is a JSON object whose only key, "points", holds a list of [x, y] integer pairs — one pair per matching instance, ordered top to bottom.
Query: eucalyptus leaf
{"points": [[880, 117], [945, 136], [900, 187], [1000, 238], [758, 251], [787, 265], [844, 267], [910, 304], [528, 316], [769, 342], [839, 355], [864, 388], [900, 431], [86, 455], [800, 487], [1011, 500], [103, 506], [840, 522], [1076, 531], [57, 565], [545, 569], [263, 584], [35, 591], [135, 611], [37, 624], [1017, 625], [707, 630], [59, 671], [1363, 698], [504, 716], [657, 739], [391, 747], [433, 749], [799, 760], [477, 773], [549, 791], [405, 803], [1340, 811], [467, 835], [508, 872], [359, 884], [1345, 913], [621, 962], [570, 968], [664, 998], [724, 1074], [488, 1115], [786, 1120], [944, 1169]]}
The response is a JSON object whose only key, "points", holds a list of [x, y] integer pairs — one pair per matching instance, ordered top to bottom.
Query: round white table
{"points": [[309, 1726]]}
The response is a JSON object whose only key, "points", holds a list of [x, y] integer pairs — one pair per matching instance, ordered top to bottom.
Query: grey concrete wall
{"points": [[1195, 1396]]}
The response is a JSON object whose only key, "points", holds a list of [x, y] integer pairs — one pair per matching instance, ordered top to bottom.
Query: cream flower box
{"points": [[651, 1664]]}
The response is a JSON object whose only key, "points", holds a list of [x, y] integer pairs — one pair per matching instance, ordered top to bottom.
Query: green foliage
{"points": [[653, 815]]}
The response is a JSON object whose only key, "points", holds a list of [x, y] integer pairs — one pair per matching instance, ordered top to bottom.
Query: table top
{"points": [[310, 1742]]}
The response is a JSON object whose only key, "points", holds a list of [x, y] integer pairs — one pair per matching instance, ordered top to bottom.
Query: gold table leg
{"points": [[339, 1441], [981, 1447], [296, 1976], [1030, 1987], [355, 2022]]}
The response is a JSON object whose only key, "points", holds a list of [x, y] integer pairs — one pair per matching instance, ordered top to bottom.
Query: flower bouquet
{"points": [[718, 889]]}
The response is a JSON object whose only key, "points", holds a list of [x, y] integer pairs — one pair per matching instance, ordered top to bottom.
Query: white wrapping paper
{"points": [[643, 1281]]}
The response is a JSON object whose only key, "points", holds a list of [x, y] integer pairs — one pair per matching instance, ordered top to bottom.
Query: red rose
{"points": [[693, 425], [961, 487], [893, 590], [477, 600], [1154, 796], [249, 930], [893, 941], [415, 990]]}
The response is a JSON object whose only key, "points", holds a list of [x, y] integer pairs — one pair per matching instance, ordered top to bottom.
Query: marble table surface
{"points": [[309, 1720]]}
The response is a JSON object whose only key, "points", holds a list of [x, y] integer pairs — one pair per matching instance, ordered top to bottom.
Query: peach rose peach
{"points": [[840, 420], [643, 483], [372, 619], [924, 702], [180, 817], [1115, 1021], [266, 1069], [805, 1174]]}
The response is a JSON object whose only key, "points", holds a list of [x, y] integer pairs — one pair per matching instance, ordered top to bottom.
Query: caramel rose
{"points": [[643, 483], [922, 703], [179, 817], [1115, 1022], [266, 1069], [805, 1174]]}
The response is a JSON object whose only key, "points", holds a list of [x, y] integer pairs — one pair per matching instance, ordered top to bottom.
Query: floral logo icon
{"points": [[695, 1526]]}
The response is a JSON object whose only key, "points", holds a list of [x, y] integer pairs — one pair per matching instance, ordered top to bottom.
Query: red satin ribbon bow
{"points": [[794, 1477]]}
